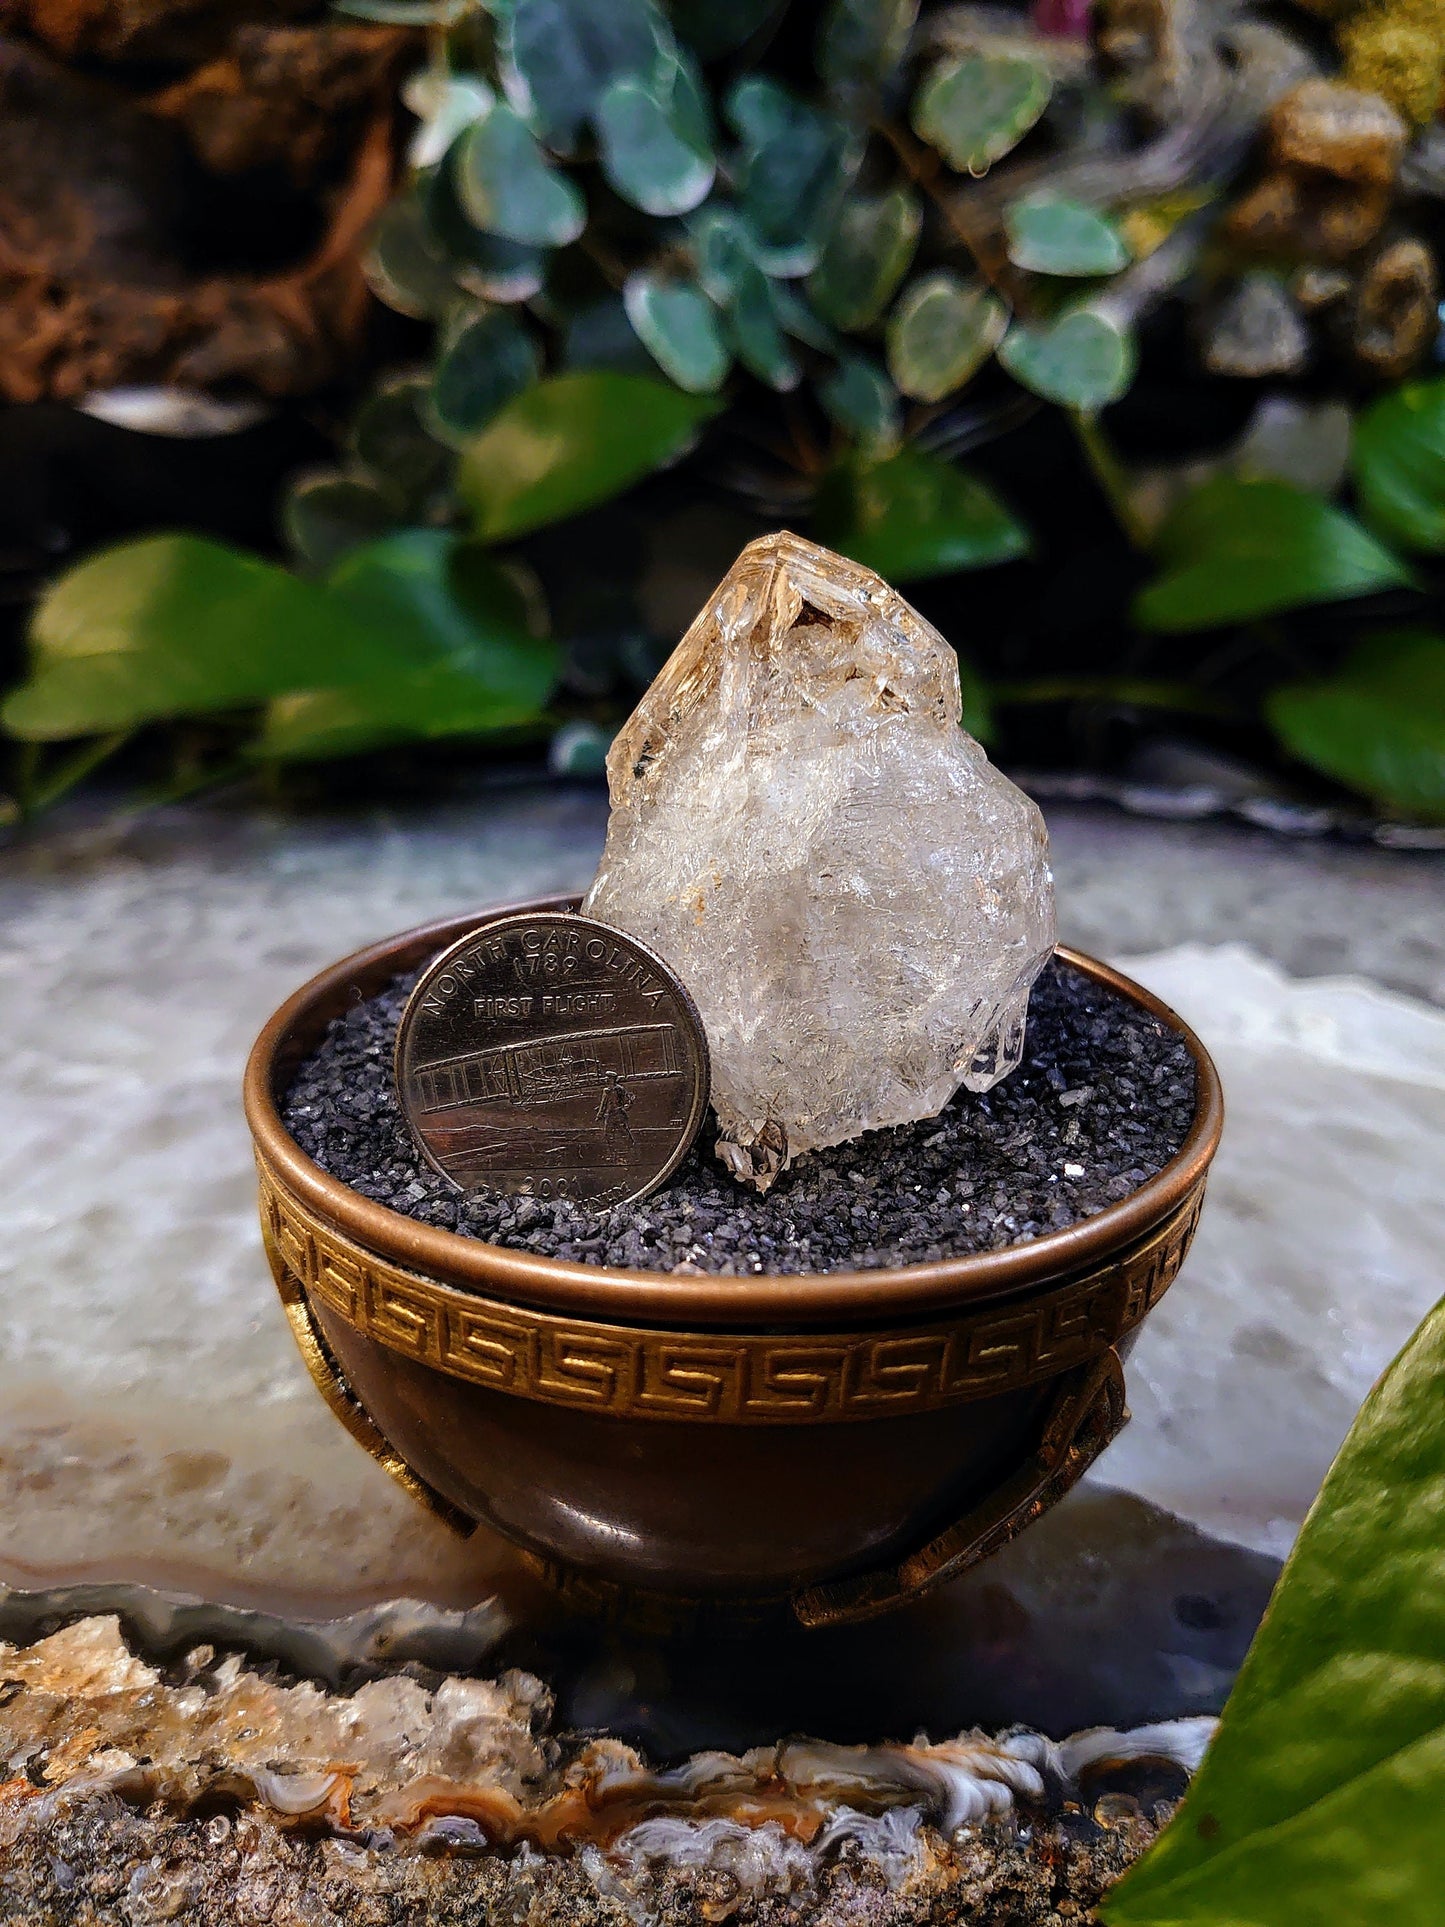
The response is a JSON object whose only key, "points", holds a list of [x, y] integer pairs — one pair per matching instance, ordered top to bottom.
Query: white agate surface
{"points": [[1319, 1248], [156, 1423]]}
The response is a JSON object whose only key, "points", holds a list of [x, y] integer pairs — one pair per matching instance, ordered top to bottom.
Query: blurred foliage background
{"points": [[432, 359]]}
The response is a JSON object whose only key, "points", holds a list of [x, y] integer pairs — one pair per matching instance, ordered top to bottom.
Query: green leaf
{"points": [[861, 42], [557, 57], [444, 104], [976, 109], [650, 153], [792, 172], [509, 188], [1050, 235], [719, 250], [867, 253], [405, 263], [483, 264], [732, 278], [796, 318], [678, 326], [941, 332], [757, 335], [1083, 359], [483, 361], [861, 399], [389, 438], [570, 442], [1398, 461], [325, 514], [915, 515], [1234, 550], [438, 596], [178, 626], [467, 663], [428, 704], [1379, 725], [1319, 1800]]}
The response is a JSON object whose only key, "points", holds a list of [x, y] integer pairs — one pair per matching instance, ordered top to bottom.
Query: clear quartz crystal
{"points": [[857, 900]]}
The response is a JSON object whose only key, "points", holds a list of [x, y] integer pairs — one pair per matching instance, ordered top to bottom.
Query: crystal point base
{"points": [[857, 900]]}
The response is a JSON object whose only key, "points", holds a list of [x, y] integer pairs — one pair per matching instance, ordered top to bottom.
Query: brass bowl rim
{"points": [[755, 1302]]}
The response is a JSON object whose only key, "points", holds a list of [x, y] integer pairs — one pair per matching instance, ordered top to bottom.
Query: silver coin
{"points": [[546, 1055]]}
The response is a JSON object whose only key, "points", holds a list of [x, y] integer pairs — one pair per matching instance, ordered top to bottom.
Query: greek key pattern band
{"points": [[733, 1378]]}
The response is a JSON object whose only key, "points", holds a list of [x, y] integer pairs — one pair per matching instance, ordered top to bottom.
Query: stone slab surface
{"points": [[157, 1427]]}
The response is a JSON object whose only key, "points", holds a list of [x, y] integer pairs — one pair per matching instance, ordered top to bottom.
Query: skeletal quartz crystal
{"points": [[857, 900]]}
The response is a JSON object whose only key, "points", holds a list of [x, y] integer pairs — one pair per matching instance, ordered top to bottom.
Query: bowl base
{"points": [[1087, 1415]]}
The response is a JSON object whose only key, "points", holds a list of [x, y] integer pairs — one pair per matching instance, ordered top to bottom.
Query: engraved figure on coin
{"points": [[590, 1086], [612, 1116]]}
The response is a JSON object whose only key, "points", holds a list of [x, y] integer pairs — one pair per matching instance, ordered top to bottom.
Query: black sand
{"points": [[1102, 1100]]}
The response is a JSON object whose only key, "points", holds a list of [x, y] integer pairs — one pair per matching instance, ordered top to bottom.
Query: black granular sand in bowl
{"points": [[1103, 1099]]}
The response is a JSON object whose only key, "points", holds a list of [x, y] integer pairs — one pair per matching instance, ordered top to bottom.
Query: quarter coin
{"points": [[549, 1056]]}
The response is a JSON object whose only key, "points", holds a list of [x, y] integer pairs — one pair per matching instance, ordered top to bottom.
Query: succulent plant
{"points": [[612, 186]]}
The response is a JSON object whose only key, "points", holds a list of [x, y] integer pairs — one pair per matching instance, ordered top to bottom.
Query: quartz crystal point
{"points": [[857, 900]]}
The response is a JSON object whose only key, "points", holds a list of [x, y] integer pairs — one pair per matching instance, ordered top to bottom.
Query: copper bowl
{"points": [[838, 1442]]}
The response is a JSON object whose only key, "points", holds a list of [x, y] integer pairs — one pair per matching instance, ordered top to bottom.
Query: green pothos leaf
{"points": [[572, 441], [1398, 459], [914, 515], [1238, 549], [175, 625], [466, 662], [1378, 725], [1319, 1799]]}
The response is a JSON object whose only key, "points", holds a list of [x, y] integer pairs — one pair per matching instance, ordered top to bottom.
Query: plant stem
{"points": [[922, 165], [612, 270], [1108, 472], [27, 769], [196, 783], [36, 796]]}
